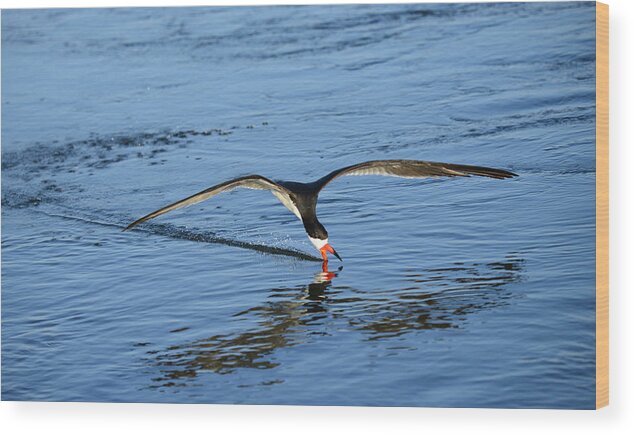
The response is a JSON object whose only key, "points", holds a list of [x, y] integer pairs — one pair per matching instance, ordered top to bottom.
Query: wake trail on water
{"points": [[39, 178], [191, 235]]}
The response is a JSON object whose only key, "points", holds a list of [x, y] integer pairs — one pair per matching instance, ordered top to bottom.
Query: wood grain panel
{"points": [[602, 206]]}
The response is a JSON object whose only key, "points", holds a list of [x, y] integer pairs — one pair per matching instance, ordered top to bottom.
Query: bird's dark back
{"points": [[305, 197]]}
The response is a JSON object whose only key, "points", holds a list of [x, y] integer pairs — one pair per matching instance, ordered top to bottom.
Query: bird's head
{"points": [[324, 247]]}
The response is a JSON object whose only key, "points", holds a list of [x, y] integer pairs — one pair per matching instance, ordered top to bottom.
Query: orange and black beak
{"points": [[328, 248]]}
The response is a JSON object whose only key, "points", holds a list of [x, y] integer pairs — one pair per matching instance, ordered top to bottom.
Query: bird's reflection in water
{"points": [[432, 298], [437, 298], [281, 320]]}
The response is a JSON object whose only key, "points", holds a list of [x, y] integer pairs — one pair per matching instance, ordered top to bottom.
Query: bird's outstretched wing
{"points": [[413, 169], [249, 182]]}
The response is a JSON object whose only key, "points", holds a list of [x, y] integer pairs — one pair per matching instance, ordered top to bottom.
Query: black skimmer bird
{"points": [[301, 198]]}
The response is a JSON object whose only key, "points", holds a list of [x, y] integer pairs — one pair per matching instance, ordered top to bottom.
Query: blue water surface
{"points": [[462, 292]]}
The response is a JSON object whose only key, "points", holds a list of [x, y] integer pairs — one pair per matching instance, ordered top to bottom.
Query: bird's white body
{"points": [[318, 243]]}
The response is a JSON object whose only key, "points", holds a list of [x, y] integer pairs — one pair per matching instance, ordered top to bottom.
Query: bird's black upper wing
{"points": [[413, 169], [249, 182]]}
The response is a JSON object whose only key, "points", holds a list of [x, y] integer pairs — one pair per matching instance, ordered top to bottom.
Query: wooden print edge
{"points": [[602, 205]]}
